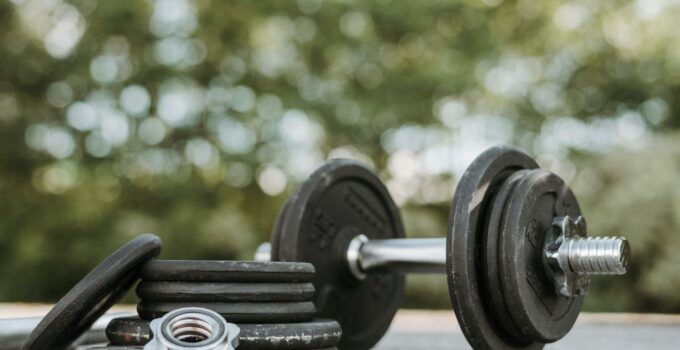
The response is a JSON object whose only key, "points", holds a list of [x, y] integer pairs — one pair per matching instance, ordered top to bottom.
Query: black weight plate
{"points": [[339, 201], [467, 223], [278, 226], [490, 261], [226, 271], [224, 291], [93, 295], [530, 295], [237, 312], [128, 331], [319, 333], [304, 335]]}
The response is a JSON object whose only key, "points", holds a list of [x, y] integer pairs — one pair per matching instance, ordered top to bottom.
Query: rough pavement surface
{"points": [[438, 330]]}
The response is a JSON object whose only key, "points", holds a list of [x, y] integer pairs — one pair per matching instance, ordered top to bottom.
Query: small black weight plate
{"points": [[339, 201], [467, 223], [490, 261], [226, 271], [224, 291], [93, 295], [530, 295], [237, 312], [129, 331], [319, 333], [303, 335]]}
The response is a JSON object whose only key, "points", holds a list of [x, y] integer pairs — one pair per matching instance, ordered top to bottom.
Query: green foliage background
{"points": [[589, 88]]}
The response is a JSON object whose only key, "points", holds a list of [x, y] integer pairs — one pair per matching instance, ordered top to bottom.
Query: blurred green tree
{"points": [[195, 119]]}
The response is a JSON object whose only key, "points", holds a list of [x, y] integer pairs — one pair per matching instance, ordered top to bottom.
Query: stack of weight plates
{"points": [[242, 292], [270, 301]]}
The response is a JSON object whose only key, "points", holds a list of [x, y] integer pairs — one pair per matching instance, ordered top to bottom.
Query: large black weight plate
{"points": [[339, 201], [467, 223], [490, 261], [226, 271], [224, 292], [93, 295], [530, 295], [236, 312], [304, 335]]}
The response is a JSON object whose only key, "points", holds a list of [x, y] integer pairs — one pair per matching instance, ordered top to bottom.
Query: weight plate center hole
{"points": [[191, 328]]}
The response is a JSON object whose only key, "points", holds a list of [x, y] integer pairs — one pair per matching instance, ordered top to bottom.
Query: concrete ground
{"points": [[435, 330], [438, 330]]}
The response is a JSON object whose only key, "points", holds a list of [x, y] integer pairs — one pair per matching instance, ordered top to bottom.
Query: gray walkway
{"points": [[438, 330]]}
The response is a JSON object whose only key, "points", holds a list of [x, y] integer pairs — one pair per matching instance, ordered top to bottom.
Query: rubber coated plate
{"points": [[341, 200], [467, 222], [278, 227], [490, 261], [226, 271], [224, 292], [93, 295], [530, 295], [237, 312], [128, 331], [319, 333], [304, 335]]}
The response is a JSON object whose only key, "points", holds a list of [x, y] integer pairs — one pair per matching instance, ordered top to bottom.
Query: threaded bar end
{"points": [[597, 255]]}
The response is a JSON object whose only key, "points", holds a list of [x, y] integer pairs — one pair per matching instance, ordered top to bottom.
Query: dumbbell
{"points": [[517, 256]]}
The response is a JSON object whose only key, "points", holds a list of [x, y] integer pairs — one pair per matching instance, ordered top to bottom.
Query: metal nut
{"points": [[573, 256], [193, 328]]}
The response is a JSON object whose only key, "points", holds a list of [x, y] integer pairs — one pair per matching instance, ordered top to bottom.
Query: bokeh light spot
{"points": [[59, 94], [135, 100], [82, 116], [272, 180]]}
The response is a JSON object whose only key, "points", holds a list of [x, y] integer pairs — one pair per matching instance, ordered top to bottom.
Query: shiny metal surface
{"points": [[413, 255], [597, 255], [353, 256], [573, 257], [193, 328]]}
